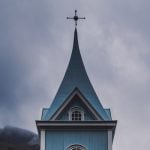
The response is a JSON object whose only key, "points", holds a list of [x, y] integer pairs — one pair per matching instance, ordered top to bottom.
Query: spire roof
{"points": [[76, 77]]}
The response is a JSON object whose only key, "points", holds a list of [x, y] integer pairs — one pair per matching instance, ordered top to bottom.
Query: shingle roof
{"points": [[76, 77]]}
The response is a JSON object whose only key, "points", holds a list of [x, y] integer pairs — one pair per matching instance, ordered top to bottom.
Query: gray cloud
{"points": [[35, 46]]}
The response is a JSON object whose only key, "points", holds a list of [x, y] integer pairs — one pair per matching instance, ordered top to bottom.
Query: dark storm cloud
{"points": [[23, 25], [35, 46]]}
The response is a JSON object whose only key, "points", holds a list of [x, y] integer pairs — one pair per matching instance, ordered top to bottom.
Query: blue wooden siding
{"points": [[75, 102], [96, 140]]}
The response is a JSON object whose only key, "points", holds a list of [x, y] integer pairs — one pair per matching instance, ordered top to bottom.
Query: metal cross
{"points": [[75, 18]]}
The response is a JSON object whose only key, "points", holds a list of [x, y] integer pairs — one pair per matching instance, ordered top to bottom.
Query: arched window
{"points": [[76, 114], [76, 147]]}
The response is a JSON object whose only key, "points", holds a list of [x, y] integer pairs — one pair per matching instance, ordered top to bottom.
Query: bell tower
{"points": [[76, 119]]}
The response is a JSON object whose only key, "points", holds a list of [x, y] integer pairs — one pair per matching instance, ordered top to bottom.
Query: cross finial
{"points": [[75, 18]]}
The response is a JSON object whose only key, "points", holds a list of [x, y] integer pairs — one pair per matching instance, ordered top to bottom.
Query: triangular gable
{"points": [[84, 104]]}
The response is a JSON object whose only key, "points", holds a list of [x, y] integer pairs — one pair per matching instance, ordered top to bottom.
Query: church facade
{"points": [[76, 119]]}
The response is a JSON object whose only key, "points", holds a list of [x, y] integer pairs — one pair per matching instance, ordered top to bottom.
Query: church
{"points": [[76, 119]]}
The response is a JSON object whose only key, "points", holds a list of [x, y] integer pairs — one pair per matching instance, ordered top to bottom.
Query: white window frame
{"points": [[76, 108], [75, 146]]}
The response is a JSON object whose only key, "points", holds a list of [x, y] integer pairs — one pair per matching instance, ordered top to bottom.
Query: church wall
{"points": [[92, 140]]}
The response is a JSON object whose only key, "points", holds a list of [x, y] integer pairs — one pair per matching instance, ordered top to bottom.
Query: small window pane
{"points": [[76, 115]]}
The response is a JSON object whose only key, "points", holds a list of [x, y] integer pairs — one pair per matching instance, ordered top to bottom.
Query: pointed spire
{"points": [[75, 43], [76, 77]]}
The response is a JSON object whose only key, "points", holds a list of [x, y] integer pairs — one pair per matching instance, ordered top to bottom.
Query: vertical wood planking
{"points": [[91, 140]]}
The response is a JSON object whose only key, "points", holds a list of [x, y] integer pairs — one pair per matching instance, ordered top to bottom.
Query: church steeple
{"points": [[76, 78], [76, 118]]}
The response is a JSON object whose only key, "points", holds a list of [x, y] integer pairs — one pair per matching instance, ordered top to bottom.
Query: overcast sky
{"points": [[35, 46]]}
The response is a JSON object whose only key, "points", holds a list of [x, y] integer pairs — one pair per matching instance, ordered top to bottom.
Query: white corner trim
{"points": [[42, 140], [109, 140]]}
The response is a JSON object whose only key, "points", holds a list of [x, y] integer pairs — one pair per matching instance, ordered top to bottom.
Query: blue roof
{"points": [[76, 77], [44, 111]]}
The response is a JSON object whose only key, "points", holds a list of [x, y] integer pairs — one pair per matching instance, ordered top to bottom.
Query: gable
{"points": [[76, 99], [76, 102]]}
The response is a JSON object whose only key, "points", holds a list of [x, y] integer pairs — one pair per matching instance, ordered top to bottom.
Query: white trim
{"points": [[69, 99], [69, 113], [82, 115], [76, 124], [42, 140], [109, 140], [76, 145]]}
